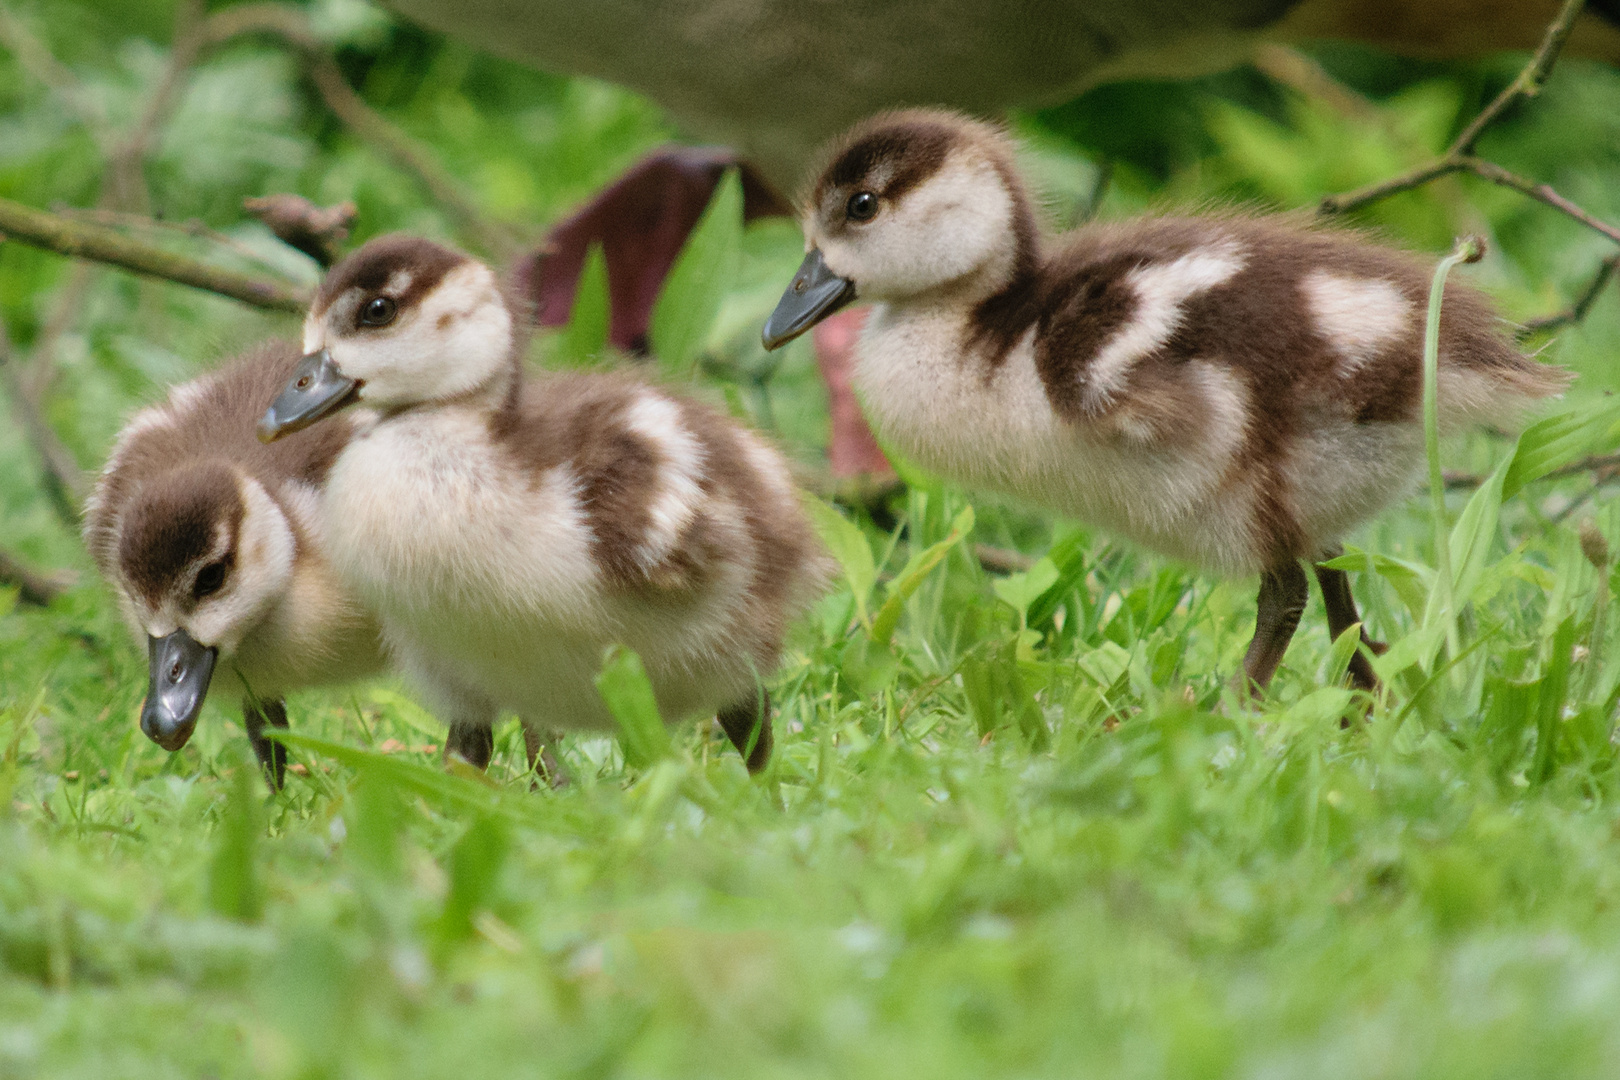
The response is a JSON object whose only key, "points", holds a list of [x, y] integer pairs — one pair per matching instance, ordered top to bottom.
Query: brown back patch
{"points": [[217, 428], [174, 521]]}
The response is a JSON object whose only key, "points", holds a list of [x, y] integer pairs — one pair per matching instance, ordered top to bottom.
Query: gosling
{"points": [[1235, 392], [507, 529], [212, 544]]}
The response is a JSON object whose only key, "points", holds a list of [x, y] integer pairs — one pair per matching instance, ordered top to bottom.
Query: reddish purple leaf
{"points": [[641, 220]]}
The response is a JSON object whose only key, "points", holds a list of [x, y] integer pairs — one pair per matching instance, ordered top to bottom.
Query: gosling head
{"points": [[912, 203], [401, 322], [203, 553]]}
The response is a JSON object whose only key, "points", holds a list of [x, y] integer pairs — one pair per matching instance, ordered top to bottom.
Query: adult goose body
{"points": [[1234, 391], [508, 528], [213, 545]]}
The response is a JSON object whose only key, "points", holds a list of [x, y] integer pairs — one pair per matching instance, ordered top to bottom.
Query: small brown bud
{"points": [[1594, 546]]}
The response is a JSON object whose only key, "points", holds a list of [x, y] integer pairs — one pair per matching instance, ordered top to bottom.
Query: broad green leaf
{"points": [[699, 280], [586, 335], [1561, 439], [1473, 533], [848, 545], [1069, 556], [911, 577], [1409, 580], [1019, 591], [1344, 647], [1415, 649], [1107, 663], [625, 688], [426, 780], [475, 863]]}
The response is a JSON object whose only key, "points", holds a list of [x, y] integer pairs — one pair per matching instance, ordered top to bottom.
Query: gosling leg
{"points": [[1283, 592], [1342, 614], [257, 715], [748, 725], [471, 741], [537, 745]]}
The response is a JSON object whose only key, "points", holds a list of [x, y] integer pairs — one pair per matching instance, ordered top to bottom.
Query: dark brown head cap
{"points": [[893, 152], [405, 267], [175, 520]]}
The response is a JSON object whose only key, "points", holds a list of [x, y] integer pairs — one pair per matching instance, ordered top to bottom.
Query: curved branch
{"points": [[289, 23], [81, 240], [33, 586]]}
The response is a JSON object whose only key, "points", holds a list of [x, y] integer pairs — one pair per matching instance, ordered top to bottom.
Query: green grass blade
{"points": [[699, 281], [848, 545], [911, 576], [625, 688]]}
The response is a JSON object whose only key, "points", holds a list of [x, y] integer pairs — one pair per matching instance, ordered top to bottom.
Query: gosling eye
{"points": [[862, 206], [378, 311], [209, 580]]}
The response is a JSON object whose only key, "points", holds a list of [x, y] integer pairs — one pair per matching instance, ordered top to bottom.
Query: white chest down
{"points": [[939, 406], [488, 589]]}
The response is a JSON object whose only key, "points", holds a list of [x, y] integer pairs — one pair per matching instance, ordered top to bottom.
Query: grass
{"points": [[1014, 826]]}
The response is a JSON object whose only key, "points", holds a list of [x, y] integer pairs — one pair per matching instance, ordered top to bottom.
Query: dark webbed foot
{"points": [[1283, 592], [1342, 614], [257, 715], [748, 725], [472, 743]]}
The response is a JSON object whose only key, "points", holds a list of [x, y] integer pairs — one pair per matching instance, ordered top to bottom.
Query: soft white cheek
{"points": [[312, 335], [263, 567]]}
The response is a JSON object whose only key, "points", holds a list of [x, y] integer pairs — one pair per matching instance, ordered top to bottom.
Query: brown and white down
{"points": [[1234, 391], [507, 528], [212, 543]]}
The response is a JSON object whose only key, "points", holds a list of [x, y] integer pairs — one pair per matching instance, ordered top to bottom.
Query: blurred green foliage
{"points": [[1015, 826]]}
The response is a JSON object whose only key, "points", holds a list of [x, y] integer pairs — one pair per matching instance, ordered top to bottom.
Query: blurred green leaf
{"points": [[697, 284], [585, 337], [848, 545], [911, 576], [625, 688], [234, 887]]}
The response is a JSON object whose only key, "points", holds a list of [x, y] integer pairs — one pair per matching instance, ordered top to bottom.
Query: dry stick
{"points": [[290, 25], [1460, 157], [82, 240], [1576, 311], [1594, 463], [65, 482], [33, 586]]}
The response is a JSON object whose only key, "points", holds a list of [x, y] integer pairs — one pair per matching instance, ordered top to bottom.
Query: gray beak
{"points": [[816, 293], [317, 388], [178, 683]]}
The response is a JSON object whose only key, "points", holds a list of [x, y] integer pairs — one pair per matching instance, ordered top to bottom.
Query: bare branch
{"points": [[290, 25], [1529, 81], [1460, 157], [126, 163], [1542, 193], [317, 231], [82, 240], [1576, 311], [1602, 466], [65, 482], [34, 587]]}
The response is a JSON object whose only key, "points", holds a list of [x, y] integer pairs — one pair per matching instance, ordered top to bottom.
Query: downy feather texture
{"points": [[1235, 391], [199, 527], [507, 527]]}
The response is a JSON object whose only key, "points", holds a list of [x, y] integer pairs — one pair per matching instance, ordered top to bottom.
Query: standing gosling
{"points": [[1231, 391], [507, 529], [212, 543]]}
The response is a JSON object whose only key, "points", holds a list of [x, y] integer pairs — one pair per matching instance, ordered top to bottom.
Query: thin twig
{"points": [[290, 25], [1460, 157], [81, 240], [1576, 312], [1595, 463], [65, 482], [33, 586]]}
